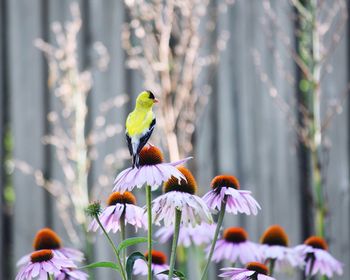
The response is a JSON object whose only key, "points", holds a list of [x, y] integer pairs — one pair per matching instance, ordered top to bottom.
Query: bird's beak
{"points": [[155, 100]]}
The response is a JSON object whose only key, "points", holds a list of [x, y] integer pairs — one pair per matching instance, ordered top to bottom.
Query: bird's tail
{"points": [[135, 161]]}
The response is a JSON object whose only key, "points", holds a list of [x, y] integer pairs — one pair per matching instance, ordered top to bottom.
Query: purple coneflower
{"points": [[153, 171], [180, 195], [226, 196], [237, 201], [120, 206], [179, 206], [189, 235], [46, 238], [235, 246], [275, 250], [314, 252], [43, 263], [159, 264], [253, 270]]}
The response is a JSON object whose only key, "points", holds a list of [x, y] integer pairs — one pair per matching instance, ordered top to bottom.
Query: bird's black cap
{"points": [[151, 95]]}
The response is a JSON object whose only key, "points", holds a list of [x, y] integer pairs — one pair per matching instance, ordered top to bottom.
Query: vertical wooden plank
{"points": [[60, 12], [107, 18], [106, 24], [238, 73], [25, 87], [49, 102], [227, 109], [227, 117], [2, 131], [254, 142], [206, 143], [204, 146], [285, 149], [266, 156], [205, 167], [337, 176], [285, 197], [48, 200], [6, 234]]}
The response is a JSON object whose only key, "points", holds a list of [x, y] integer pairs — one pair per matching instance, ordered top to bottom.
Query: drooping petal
{"points": [[153, 175], [238, 201], [194, 210]]}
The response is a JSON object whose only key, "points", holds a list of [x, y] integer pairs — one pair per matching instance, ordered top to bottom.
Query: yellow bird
{"points": [[140, 124]]}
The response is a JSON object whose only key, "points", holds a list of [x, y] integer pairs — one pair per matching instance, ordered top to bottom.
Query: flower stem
{"points": [[122, 233], [216, 234], [149, 236], [174, 245], [113, 247], [272, 266], [49, 276]]}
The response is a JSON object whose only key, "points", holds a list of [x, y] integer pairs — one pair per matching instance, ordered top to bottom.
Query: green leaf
{"points": [[130, 241], [131, 261], [102, 264], [176, 273]]}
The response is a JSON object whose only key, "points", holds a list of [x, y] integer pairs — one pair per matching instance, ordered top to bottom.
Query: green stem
{"points": [[310, 53], [316, 122], [320, 200], [122, 233], [216, 234], [149, 235], [174, 245], [113, 247], [272, 266], [49, 276]]}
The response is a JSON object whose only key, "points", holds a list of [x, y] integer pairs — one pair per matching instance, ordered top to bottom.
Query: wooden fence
{"points": [[243, 131]]}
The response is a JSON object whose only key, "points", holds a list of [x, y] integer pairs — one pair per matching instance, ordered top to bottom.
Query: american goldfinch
{"points": [[140, 124]]}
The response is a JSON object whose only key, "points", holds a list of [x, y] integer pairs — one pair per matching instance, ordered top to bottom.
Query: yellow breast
{"points": [[138, 122]]}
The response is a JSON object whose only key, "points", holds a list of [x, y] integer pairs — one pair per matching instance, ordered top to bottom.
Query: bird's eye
{"points": [[151, 95]]}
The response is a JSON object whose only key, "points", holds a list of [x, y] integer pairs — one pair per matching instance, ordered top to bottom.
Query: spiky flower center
{"points": [[150, 155], [227, 181], [188, 186], [122, 198], [94, 209], [235, 235], [275, 235], [46, 238], [317, 243], [41, 256], [158, 257], [258, 267]]}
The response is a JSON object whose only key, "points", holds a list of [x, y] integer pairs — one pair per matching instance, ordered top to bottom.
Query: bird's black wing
{"points": [[144, 138], [128, 139]]}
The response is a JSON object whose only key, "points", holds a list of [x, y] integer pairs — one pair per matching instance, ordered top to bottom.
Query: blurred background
{"points": [[256, 89]]}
